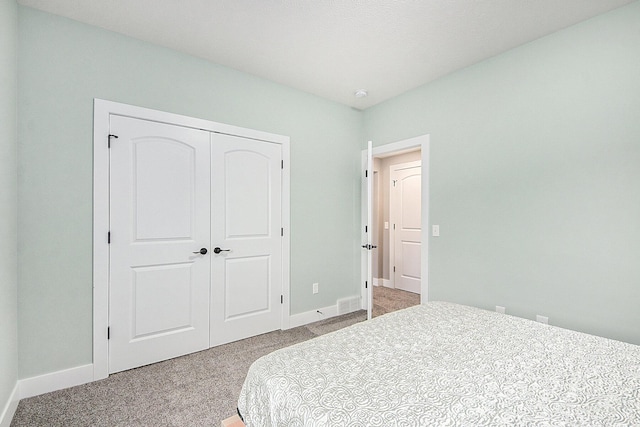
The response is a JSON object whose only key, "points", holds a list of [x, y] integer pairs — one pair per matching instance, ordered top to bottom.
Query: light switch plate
{"points": [[435, 230]]}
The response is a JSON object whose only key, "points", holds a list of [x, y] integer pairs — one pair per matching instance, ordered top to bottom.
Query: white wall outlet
{"points": [[386, 225], [435, 230], [315, 288], [500, 309], [542, 319]]}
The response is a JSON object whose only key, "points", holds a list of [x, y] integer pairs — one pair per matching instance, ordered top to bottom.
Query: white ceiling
{"points": [[332, 48]]}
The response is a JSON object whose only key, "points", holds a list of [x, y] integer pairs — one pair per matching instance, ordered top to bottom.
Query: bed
{"points": [[445, 364]]}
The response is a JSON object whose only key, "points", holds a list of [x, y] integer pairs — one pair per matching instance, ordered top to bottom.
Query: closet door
{"points": [[160, 233], [246, 263]]}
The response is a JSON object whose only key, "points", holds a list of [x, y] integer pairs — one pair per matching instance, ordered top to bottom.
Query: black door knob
{"points": [[218, 250], [202, 251]]}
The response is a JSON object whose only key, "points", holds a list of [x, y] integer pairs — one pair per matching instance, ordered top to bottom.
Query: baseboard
{"points": [[382, 282], [323, 313], [307, 317], [55, 381], [10, 408]]}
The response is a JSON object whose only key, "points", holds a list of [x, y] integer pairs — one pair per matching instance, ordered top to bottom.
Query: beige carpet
{"points": [[386, 300], [199, 389]]}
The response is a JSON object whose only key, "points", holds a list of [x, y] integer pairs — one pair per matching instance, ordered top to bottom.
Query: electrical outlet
{"points": [[315, 288], [500, 309], [542, 319]]}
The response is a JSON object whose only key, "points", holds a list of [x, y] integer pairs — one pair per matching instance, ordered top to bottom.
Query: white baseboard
{"points": [[379, 281], [323, 313], [307, 317], [55, 381], [41, 384], [10, 408]]}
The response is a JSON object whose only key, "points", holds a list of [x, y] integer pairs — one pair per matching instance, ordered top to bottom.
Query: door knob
{"points": [[218, 250], [202, 251]]}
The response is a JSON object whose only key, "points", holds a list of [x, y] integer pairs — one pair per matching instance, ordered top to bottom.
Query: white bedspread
{"points": [[446, 364]]}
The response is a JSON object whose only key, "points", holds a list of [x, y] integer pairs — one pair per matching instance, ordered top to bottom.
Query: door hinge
{"points": [[109, 139], [281, 164], [366, 173], [394, 226], [366, 229], [282, 232], [109, 238], [394, 268], [366, 284], [281, 299], [108, 333]]}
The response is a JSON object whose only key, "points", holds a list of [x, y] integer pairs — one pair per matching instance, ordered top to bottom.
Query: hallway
{"points": [[386, 300]]}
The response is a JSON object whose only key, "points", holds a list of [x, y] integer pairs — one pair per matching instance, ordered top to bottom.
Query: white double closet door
{"points": [[176, 193]]}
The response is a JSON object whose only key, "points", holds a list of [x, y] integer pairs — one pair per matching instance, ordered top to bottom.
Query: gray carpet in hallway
{"points": [[386, 300], [199, 389]]}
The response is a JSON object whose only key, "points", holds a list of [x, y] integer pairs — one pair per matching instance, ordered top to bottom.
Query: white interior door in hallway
{"points": [[172, 190], [406, 213]]}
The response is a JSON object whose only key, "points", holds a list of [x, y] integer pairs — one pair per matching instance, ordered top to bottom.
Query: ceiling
{"points": [[331, 48]]}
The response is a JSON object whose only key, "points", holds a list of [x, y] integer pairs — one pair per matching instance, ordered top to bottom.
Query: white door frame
{"points": [[101, 111], [421, 142]]}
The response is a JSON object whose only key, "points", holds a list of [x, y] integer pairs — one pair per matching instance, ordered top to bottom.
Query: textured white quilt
{"points": [[446, 364]]}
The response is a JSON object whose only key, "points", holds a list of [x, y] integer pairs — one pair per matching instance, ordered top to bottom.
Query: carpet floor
{"points": [[386, 300], [200, 389]]}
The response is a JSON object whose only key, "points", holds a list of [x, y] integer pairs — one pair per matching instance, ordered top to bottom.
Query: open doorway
{"points": [[396, 231], [396, 262]]}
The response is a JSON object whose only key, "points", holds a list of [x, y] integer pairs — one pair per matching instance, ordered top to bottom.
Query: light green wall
{"points": [[63, 66], [534, 172], [535, 176], [8, 200]]}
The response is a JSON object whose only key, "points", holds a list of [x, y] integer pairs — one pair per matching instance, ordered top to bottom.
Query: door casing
{"points": [[102, 111], [421, 142]]}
